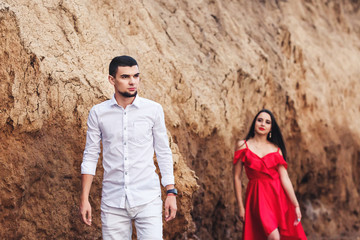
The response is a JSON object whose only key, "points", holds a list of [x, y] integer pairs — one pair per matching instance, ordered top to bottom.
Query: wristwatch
{"points": [[173, 191]]}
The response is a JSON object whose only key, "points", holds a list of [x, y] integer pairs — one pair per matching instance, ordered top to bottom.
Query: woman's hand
{"points": [[242, 214], [298, 215]]}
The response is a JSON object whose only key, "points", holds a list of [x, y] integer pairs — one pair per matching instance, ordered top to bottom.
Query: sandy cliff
{"points": [[212, 65]]}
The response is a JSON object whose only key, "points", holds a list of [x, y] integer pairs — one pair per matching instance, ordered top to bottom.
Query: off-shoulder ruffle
{"points": [[239, 154], [269, 161]]}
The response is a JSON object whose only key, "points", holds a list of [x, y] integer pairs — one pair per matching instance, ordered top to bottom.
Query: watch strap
{"points": [[173, 191]]}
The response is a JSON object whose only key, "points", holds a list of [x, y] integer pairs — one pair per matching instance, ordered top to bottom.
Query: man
{"points": [[131, 128]]}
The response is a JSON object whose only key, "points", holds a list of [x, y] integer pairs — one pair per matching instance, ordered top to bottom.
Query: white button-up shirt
{"points": [[129, 137]]}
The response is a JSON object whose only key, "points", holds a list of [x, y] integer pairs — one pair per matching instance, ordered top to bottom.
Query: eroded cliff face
{"points": [[212, 65]]}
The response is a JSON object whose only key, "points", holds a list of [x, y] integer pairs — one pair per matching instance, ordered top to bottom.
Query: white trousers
{"points": [[116, 222]]}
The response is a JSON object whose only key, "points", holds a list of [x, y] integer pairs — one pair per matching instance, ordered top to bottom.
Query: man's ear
{"points": [[111, 80]]}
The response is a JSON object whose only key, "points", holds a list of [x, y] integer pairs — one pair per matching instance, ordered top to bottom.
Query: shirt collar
{"points": [[113, 101], [136, 103]]}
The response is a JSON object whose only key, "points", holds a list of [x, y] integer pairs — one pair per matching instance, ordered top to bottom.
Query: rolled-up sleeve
{"points": [[92, 148], [162, 149]]}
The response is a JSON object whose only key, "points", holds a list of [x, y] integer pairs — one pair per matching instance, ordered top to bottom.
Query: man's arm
{"points": [[162, 149], [165, 161], [88, 166], [85, 207]]}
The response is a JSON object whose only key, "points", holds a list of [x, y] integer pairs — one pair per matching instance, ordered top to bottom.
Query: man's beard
{"points": [[127, 95]]}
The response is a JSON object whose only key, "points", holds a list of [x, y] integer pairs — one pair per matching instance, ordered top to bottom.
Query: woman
{"points": [[271, 209]]}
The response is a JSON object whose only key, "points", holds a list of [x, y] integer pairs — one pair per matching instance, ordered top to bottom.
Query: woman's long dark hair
{"points": [[276, 136]]}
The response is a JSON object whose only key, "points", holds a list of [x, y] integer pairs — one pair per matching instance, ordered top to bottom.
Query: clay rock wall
{"points": [[212, 65]]}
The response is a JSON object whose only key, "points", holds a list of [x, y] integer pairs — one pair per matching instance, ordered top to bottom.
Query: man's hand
{"points": [[85, 207], [170, 207], [85, 212]]}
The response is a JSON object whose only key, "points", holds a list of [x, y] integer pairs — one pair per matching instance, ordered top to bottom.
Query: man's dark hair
{"points": [[121, 61]]}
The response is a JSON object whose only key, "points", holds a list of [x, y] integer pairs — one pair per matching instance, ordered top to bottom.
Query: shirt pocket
{"points": [[141, 132]]}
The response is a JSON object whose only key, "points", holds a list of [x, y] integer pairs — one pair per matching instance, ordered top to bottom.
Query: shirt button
{"points": [[124, 113], [124, 128], [124, 143], [126, 158], [125, 173], [125, 187]]}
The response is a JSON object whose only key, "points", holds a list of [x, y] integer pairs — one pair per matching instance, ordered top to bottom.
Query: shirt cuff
{"points": [[86, 169], [167, 180]]}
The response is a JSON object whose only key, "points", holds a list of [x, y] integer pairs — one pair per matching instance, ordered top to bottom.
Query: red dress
{"points": [[267, 205]]}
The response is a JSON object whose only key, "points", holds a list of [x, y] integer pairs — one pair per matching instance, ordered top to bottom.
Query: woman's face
{"points": [[263, 124]]}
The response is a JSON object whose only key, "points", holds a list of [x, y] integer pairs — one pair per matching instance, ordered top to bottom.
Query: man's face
{"points": [[126, 81]]}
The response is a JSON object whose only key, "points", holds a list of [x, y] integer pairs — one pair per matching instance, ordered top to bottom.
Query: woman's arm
{"points": [[238, 170], [286, 183]]}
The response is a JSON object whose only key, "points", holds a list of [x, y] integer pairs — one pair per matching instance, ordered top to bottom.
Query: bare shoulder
{"points": [[240, 144], [274, 147], [277, 148]]}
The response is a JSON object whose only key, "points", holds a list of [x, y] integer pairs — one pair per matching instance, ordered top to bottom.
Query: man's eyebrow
{"points": [[127, 75]]}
